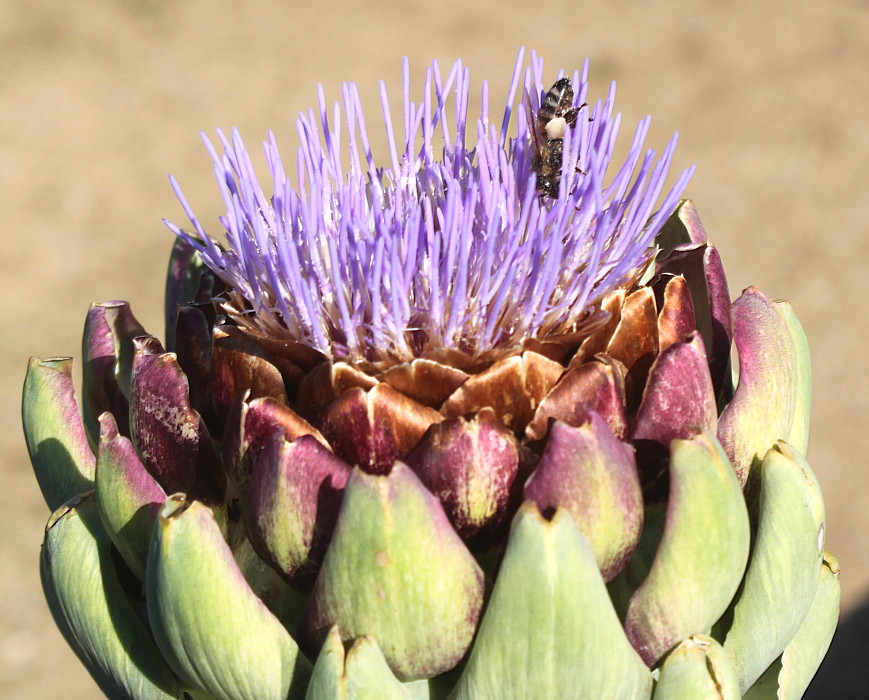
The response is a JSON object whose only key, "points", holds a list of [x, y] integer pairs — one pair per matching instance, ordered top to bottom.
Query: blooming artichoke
{"points": [[464, 424]]}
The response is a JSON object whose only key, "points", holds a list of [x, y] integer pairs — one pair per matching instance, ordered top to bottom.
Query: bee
{"points": [[547, 127]]}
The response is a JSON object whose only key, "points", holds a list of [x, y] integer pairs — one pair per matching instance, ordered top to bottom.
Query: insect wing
{"points": [[534, 126]]}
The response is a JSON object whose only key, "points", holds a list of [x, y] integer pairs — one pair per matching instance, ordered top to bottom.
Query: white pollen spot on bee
{"points": [[555, 128]]}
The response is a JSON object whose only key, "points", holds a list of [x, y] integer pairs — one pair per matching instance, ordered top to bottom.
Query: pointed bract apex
{"points": [[687, 213], [682, 230], [704, 272], [182, 281], [676, 318], [596, 343], [145, 345], [107, 351], [239, 365], [426, 381], [597, 386], [512, 387], [679, 400], [764, 404], [250, 425], [374, 428], [54, 432], [169, 435], [469, 465], [593, 475], [129, 497], [291, 503], [393, 568], [697, 668], [354, 674]]}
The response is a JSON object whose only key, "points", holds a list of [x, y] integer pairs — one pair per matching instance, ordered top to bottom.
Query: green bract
{"points": [[296, 574]]}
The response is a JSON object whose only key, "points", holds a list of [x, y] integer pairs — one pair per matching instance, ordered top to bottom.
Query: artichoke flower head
{"points": [[451, 248], [456, 423]]}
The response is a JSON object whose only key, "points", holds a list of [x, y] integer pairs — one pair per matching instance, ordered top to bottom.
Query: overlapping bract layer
{"points": [[376, 506]]}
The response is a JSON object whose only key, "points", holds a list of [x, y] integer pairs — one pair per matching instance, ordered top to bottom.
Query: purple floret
{"points": [[450, 245]]}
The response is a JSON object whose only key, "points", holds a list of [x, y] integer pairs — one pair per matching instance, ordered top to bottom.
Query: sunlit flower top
{"points": [[448, 244]]}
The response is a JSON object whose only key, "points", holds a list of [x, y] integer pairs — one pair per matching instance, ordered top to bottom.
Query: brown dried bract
{"points": [[676, 319], [239, 365], [426, 381], [325, 383], [597, 386], [512, 387], [374, 428]]}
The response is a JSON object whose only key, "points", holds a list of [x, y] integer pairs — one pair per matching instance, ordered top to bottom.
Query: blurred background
{"points": [[99, 101]]}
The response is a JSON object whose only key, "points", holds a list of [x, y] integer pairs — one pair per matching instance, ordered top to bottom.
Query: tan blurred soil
{"points": [[100, 100]]}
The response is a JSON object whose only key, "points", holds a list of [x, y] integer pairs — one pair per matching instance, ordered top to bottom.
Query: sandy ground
{"points": [[100, 100]]}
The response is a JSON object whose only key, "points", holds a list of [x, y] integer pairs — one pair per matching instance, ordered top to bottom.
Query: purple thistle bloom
{"points": [[450, 246]]}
